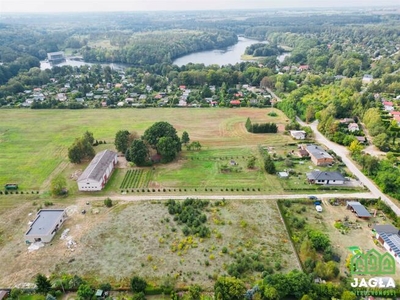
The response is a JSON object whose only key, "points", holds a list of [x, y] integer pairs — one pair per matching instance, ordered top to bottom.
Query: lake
{"points": [[230, 55]]}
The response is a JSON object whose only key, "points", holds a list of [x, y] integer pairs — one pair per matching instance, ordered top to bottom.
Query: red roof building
{"points": [[235, 102]]}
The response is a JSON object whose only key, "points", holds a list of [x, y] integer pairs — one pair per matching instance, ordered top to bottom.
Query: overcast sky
{"points": [[140, 5]]}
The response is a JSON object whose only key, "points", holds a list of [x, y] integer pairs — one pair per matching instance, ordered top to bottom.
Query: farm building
{"points": [[318, 155], [96, 175], [319, 177], [358, 209], [45, 226], [389, 237]]}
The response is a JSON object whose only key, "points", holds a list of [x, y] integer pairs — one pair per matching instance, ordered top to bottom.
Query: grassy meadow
{"points": [[34, 143]]}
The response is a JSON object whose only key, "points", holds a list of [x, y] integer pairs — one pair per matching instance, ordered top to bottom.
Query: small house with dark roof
{"points": [[98, 172], [321, 177], [359, 209], [45, 226], [389, 237]]}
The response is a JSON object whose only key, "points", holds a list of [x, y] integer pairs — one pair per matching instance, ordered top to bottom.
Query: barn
{"points": [[96, 175], [45, 226]]}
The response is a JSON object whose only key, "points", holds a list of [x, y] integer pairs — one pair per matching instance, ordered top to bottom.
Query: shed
{"points": [[284, 175], [358, 209], [4, 294], [99, 294]]}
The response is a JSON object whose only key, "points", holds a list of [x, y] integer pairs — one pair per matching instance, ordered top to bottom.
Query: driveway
{"points": [[344, 154]]}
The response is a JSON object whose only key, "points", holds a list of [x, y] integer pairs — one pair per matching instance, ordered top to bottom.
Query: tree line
{"points": [[261, 127]]}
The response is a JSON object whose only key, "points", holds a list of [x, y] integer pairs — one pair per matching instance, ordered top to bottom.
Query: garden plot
{"points": [[136, 178], [143, 238]]}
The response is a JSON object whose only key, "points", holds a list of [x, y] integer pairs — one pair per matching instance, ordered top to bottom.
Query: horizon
{"points": [[85, 6]]}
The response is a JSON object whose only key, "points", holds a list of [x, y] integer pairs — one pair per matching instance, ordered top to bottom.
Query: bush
{"points": [[108, 202], [138, 284]]}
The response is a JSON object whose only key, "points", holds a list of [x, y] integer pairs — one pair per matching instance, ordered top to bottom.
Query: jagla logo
{"points": [[373, 263]]}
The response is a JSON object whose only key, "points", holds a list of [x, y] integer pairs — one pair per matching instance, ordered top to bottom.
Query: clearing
{"points": [[142, 237]]}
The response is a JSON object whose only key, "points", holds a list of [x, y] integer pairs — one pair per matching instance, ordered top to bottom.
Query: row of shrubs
{"points": [[219, 157], [321, 188], [195, 190], [18, 192]]}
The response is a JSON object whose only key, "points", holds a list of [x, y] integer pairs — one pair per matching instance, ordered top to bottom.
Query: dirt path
{"points": [[57, 170], [131, 198]]}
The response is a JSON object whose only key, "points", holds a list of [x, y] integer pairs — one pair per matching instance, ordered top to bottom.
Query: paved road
{"points": [[343, 153], [229, 197]]}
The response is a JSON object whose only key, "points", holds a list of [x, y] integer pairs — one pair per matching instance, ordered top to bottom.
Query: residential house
{"points": [[303, 68], [367, 78], [182, 87], [89, 95], [37, 96], [61, 97], [142, 98], [182, 102], [235, 102], [388, 105], [395, 113], [397, 119], [346, 121], [352, 127], [298, 134], [361, 139], [318, 155], [96, 175], [322, 177], [359, 209], [45, 225], [389, 237]]}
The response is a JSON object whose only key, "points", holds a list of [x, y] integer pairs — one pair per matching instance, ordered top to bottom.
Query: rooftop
{"points": [[317, 151], [97, 167], [320, 175], [360, 210], [45, 221]]}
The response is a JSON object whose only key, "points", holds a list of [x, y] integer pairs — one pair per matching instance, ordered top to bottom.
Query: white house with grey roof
{"points": [[98, 172], [321, 177], [45, 226], [389, 237]]}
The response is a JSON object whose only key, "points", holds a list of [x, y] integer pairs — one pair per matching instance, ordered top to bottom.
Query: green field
{"points": [[33, 143]]}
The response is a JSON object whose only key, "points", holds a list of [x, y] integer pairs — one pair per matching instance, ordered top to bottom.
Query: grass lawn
{"points": [[34, 143]]}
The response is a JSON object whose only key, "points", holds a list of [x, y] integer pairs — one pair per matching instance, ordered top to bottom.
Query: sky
{"points": [[171, 5]]}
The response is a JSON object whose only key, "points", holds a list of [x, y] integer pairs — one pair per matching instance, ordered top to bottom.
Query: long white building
{"points": [[96, 175]]}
